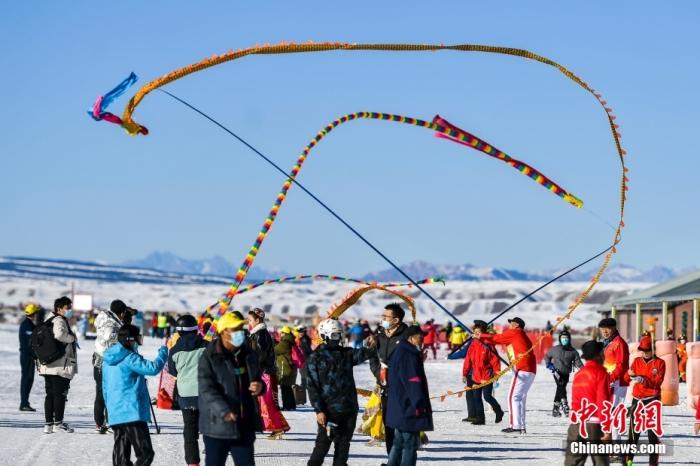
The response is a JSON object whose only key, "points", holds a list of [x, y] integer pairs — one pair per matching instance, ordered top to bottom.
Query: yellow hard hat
{"points": [[31, 309], [229, 320], [286, 329]]}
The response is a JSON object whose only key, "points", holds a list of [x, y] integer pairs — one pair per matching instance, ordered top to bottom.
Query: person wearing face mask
{"points": [[107, 325], [392, 331], [264, 346], [561, 360], [616, 362], [183, 363], [647, 372], [58, 374], [229, 378], [331, 387], [126, 395], [408, 410]]}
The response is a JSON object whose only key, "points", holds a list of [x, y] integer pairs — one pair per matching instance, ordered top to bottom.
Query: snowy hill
{"points": [[27, 267]]}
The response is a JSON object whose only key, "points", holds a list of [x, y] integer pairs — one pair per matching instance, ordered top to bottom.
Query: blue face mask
{"points": [[68, 314], [386, 325], [238, 338], [564, 341]]}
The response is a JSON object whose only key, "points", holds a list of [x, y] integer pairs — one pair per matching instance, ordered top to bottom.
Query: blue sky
{"points": [[73, 188]]}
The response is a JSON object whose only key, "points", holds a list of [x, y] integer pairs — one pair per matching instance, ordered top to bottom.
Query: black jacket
{"points": [[26, 328], [262, 343], [305, 344], [385, 348], [224, 378], [330, 383]]}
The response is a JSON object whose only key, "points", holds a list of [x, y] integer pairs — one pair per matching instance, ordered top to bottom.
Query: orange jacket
{"points": [[518, 339], [616, 360], [482, 361], [653, 372], [593, 383]]}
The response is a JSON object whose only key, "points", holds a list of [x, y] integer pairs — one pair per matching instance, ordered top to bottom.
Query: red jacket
{"points": [[430, 334], [518, 339], [617, 357], [482, 360], [653, 372], [593, 383]]}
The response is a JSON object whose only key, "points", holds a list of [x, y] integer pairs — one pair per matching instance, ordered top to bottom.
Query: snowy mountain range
{"points": [[168, 262], [167, 268]]}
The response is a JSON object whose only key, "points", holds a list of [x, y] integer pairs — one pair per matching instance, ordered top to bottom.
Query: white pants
{"points": [[619, 395], [517, 397]]}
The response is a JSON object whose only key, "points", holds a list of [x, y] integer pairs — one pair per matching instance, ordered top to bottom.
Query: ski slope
{"points": [[22, 441]]}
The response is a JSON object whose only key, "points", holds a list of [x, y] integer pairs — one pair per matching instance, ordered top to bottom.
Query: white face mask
{"points": [[238, 338]]}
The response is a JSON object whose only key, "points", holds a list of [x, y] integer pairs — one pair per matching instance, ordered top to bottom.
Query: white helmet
{"points": [[330, 329]]}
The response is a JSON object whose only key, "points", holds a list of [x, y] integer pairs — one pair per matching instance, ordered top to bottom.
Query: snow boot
{"points": [[565, 407], [26, 408], [555, 409], [499, 415], [469, 419], [479, 421], [62, 427], [48, 428], [510, 430]]}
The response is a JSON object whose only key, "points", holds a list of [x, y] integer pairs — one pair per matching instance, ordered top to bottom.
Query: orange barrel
{"points": [[666, 350], [693, 373]]}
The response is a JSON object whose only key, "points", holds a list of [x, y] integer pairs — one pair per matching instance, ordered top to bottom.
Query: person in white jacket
{"points": [[107, 325], [58, 374]]}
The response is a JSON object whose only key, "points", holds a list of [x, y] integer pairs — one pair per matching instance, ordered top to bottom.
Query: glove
{"points": [[163, 352], [551, 367], [638, 379]]}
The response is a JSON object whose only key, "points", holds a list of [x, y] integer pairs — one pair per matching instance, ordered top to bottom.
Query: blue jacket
{"points": [[124, 385], [408, 403]]}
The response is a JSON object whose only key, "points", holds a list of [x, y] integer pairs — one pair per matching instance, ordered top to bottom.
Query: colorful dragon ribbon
{"points": [[469, 140]]}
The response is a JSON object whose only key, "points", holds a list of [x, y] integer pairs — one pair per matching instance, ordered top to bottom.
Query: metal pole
{"points": [[613, 312], [696, 319], [664, 320], [639, 326]]}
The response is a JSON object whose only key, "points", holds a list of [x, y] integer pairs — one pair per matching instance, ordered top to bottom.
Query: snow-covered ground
{"points": [[468, 300], [22, 441]]}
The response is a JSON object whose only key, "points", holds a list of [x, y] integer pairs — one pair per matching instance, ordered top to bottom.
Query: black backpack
{"points": [[45, 347]]}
